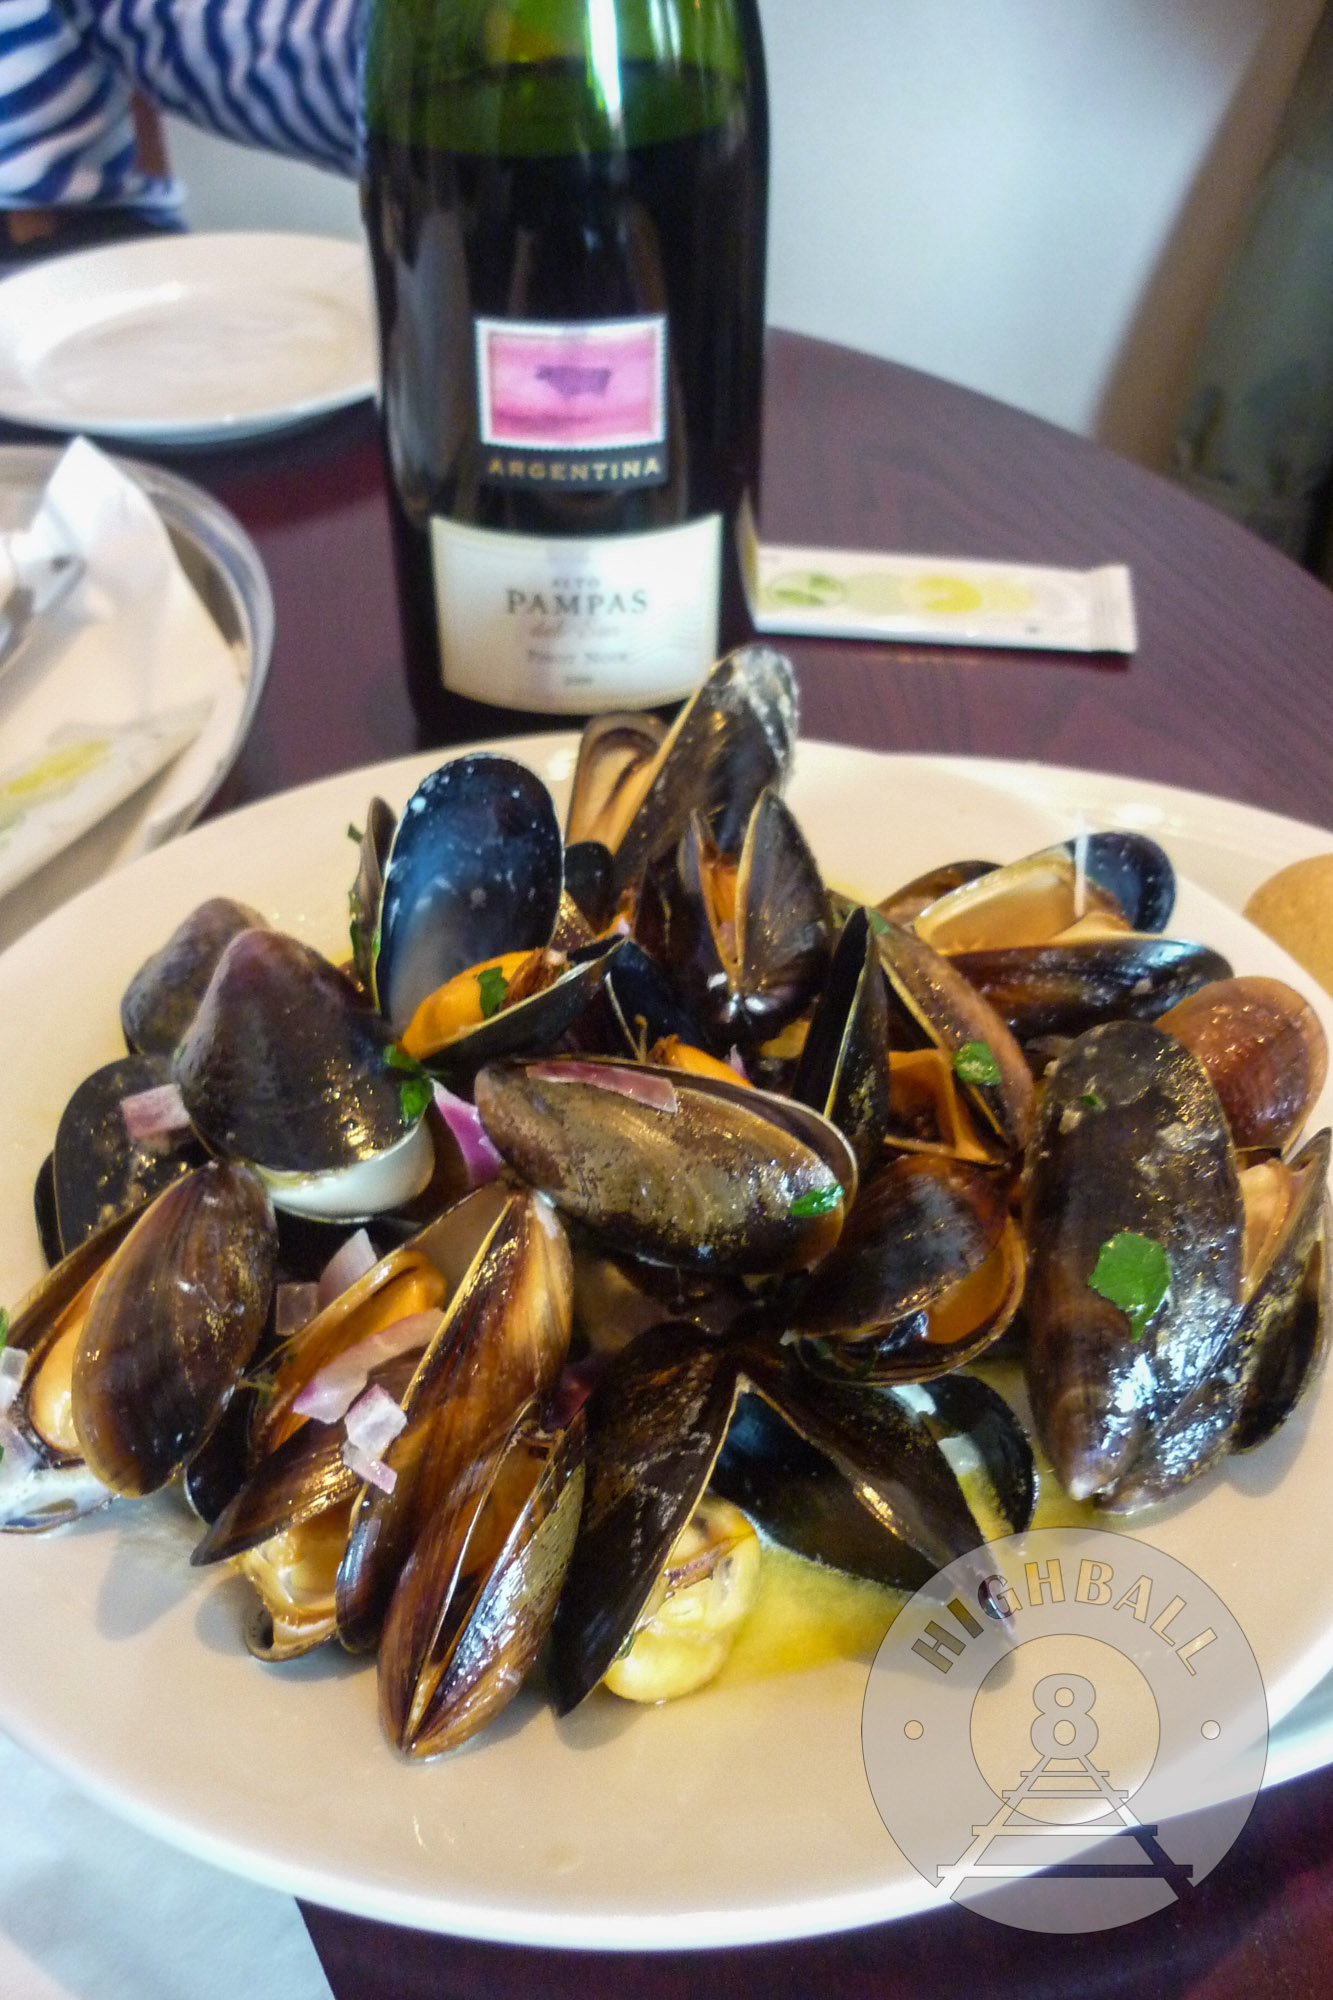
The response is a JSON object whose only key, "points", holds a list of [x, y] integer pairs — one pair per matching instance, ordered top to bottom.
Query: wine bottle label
{"points": [[578, 403], [571, 626]]}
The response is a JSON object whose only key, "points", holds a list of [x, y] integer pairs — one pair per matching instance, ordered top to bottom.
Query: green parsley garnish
{"points": [[354, 833], [879, 923], [492, 986], [975, 1063], [416, 1089], [414, 1095], [1091, 1101], [817, 1201], [1134, 1273], [4, 1326]]}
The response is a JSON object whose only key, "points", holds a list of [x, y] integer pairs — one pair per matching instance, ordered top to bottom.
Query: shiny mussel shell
{"points": [[474, 871], [1124, 875], [1069, 986], [1264, 1050], [285, 1066], [843, 1071], [1130, 1143], [679, 1169], [98, 1171], [928, 1271], [176, 1315], [657, 1420], [475, 1600]]}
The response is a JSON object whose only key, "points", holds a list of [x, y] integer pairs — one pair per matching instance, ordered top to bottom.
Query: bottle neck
{"points": [[553, 77]]}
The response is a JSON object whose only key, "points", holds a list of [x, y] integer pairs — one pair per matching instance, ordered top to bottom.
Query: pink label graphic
{"points": [[595, 386]]}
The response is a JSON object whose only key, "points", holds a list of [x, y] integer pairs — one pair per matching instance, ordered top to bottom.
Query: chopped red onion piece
{"points": [[657, 1092], [149, 1114], [480, 1158], [355, 1257], [294, 1306], [13, 1368], [331, 1393], [374, 1421], [19, 1455], [373, 1470]]}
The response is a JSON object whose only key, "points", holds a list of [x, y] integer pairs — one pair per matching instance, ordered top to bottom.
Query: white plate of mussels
{"points": [[737, 1814]]}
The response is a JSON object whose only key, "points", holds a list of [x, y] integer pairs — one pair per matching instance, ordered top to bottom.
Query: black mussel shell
{"points": [[475, 870], [1124, 875], [590, 880], [368, 888], [904, 905], [1065, 989], [160, 1001], [286, 1066], [843, 1070], [1130, 1141], [97, 1170], [175, 1318]]}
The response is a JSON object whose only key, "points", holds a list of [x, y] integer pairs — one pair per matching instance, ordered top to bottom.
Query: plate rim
{"points": [[29, 291], [773, 1922]]}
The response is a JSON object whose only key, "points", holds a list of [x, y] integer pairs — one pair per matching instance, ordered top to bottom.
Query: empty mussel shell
{"points": [[1124, 876], [474, 1603]]}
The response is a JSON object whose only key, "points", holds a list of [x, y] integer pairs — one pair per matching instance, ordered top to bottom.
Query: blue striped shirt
{"points": [[283, 74]]}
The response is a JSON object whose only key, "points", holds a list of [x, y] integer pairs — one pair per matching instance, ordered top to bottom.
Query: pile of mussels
{"points": [[690, 1188]]}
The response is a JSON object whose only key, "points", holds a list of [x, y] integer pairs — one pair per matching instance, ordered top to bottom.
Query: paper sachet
{"points": [[126, 672]]}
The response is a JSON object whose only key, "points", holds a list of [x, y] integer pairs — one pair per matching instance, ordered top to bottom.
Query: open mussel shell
{"points": [[736, 734], [612, 773], [475, 871], [1125, 876], [367, 890], [904, 906], [758, 935], [1067, 987], [160, 1001], [938, 1006], [540, 1020], [1264, 1050], [286, 1067], [843, 1071], [1130, 1142], [676, 1168], [98, 1171], [928, 1271], [176, 1315], [1285, 1322], [503, 1341], [657, 1421], [44, 1481], [800, 1499], [475, 1600]]}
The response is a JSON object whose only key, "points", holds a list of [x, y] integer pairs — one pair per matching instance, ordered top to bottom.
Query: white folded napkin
{"points": [[126, 672], [92, 1909]]}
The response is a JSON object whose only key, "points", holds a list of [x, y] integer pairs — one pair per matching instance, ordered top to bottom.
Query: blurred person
{"points": [[81, 160]]}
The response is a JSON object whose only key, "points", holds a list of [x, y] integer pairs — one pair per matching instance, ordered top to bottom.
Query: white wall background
{"points": [[1032, 197]]}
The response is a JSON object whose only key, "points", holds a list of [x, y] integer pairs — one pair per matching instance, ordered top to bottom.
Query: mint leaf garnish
{"points": [[975, 1063], [414, 1094], [817, 1201], [1134, 1273]]}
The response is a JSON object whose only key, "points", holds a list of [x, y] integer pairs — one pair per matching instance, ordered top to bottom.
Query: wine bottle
{"points": [[566, 204]]}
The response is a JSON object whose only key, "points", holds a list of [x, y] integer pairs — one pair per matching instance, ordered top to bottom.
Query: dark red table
{"points": [[1229, 692]]}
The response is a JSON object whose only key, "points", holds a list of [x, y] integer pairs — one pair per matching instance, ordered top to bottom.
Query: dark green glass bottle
{"points": [[566, 203]]}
